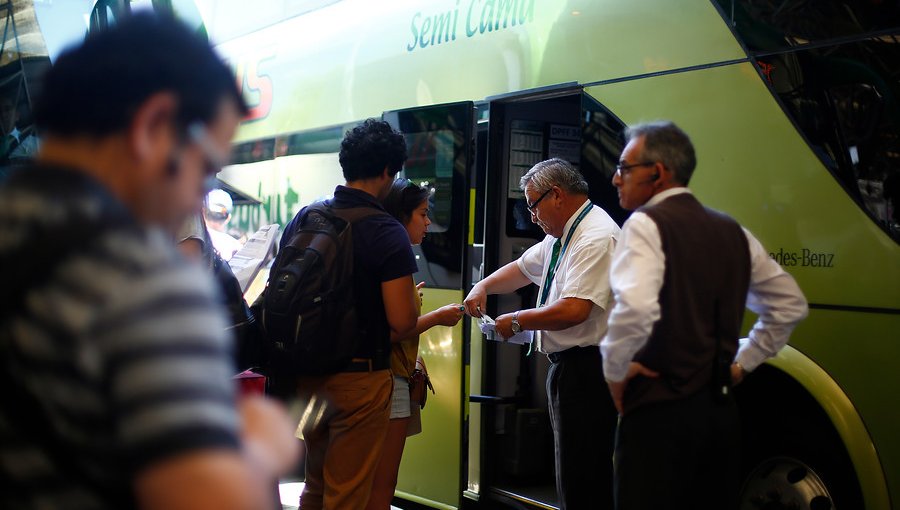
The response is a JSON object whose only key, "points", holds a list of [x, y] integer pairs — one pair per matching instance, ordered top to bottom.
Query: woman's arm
{"points": [[447, 315]]}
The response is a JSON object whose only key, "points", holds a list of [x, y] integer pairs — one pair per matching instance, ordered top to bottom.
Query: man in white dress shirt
{"points": [[571, 268], [672, 350]]}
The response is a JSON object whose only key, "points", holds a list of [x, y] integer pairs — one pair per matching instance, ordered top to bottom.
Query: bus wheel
{"points": [[792, 456], [784, 483]]}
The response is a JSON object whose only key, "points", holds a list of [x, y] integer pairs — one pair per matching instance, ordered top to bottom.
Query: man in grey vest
{"points": [[571, 269], [672, 351]]}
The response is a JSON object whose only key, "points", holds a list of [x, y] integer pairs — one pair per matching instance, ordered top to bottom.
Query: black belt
{"points": [[591, 350]]}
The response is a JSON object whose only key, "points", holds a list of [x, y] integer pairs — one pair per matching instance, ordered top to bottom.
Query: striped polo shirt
{"points": [[114, 354]]}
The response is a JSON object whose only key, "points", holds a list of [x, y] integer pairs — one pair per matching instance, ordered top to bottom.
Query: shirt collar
{"points": [[671, 192], [354, 197], [569, 223]]}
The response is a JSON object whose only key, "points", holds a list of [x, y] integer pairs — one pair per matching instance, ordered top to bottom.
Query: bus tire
{"points": [[793, 458]]}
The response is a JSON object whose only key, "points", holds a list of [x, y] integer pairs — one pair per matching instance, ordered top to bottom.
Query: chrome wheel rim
{"points": [[784, 483]]}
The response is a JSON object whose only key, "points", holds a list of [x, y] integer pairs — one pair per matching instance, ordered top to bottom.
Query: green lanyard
{"points": [[558, 252]]}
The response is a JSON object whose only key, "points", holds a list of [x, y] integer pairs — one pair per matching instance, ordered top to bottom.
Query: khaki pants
{"points": [[344, 425]]}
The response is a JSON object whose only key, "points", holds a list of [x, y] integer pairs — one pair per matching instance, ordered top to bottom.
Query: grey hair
{"points": [[667, 143], [555, 172]]}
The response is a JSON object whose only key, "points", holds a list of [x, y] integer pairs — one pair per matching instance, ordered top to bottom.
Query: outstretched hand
{"points": [[476, 301], [449, 315]]}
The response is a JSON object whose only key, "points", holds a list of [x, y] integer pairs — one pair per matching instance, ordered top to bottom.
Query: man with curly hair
{"points": [[347, 413]]}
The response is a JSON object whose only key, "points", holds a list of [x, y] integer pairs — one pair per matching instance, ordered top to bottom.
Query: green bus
{"points": [[793, 108]]}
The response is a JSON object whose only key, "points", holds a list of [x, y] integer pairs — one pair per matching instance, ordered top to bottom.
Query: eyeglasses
{"points": [[215, 161], [622, 170], [531, 207]]}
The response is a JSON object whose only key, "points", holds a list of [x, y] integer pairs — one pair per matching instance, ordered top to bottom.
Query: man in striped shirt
{"points": [[116, 373]]}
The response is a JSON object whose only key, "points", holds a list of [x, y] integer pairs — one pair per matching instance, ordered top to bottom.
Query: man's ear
{"points": [[151, 132], [664, 176], [559, 194]]}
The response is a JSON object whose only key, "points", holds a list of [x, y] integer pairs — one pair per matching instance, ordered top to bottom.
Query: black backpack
{"points": [[308, 308], [242, 323]]}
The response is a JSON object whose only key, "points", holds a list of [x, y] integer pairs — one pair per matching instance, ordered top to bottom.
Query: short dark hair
{"points": [[95, 88], [667, 143], [370, 147], [404, 198]]}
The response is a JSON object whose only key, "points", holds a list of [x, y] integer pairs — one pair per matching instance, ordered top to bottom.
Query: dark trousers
{"points": [[584, 421], [682, 454]]}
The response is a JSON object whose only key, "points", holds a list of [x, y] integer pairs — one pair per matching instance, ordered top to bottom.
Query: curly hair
{"points": [[370, 147]]}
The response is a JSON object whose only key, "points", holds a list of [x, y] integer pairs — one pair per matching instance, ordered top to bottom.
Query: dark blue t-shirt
{"points": [[381, 253]]}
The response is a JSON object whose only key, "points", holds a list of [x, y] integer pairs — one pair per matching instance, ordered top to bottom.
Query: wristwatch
{"points": [[516, 327]]}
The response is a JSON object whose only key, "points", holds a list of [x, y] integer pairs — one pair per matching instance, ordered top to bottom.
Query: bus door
{"points": [[439, 141], [512, 441]]}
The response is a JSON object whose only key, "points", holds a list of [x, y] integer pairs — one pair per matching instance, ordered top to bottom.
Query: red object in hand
{"points": [[251, 383]]}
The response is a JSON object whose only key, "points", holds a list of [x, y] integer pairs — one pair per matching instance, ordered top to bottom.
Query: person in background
{"points": [[408, 202], [217, 209], [194, 243], [571, 267], [672, 350], [115, 365]]}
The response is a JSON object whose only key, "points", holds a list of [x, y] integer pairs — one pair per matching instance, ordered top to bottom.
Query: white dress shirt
{"points": [[583, 272], [637, 277]]}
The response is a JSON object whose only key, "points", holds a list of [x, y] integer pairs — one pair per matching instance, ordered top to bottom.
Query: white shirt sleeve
{"points": [[531, 263], [636, 277], [779, 302]]}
